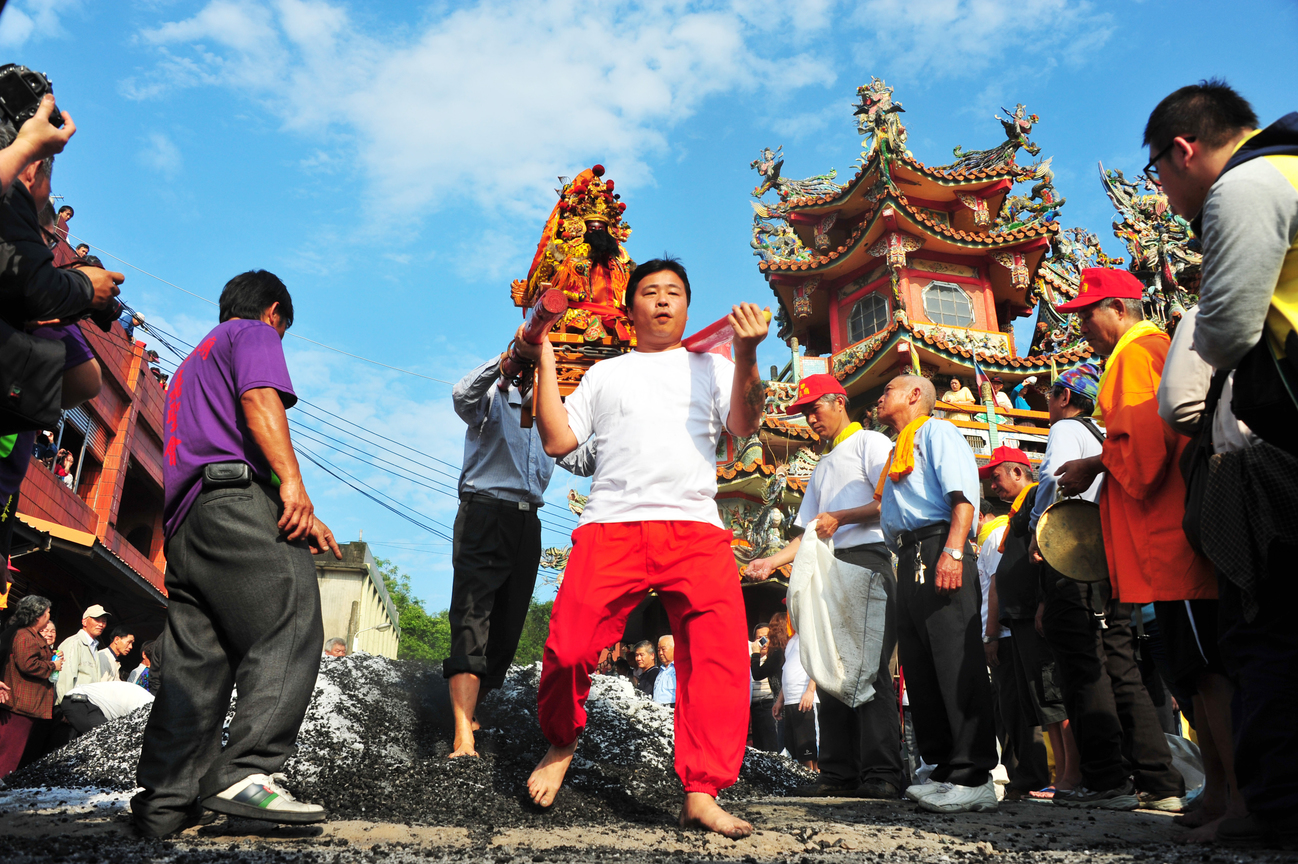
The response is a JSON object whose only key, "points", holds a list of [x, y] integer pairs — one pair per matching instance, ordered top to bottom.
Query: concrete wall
{"points": [[356, 580]]}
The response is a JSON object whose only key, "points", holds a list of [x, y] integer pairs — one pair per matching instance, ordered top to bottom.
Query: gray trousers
{"points": [[243, 609]]}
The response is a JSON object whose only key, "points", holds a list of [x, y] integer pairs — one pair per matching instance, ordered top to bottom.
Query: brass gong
{"points": [[1070, 539]]}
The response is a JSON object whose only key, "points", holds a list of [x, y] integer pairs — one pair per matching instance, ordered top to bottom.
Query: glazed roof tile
{"points": [[941, 173], [898, 199], [958, 352], [799, 430]]}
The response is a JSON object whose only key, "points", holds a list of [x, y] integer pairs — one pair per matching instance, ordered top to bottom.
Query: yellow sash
{"points": [[1141, 328], [851, 430], [901, 461], [1014, 509], [988, 527]]}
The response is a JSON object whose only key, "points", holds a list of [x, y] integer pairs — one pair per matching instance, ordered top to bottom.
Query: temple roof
{"points": [[969, 180], [855, 249], [860, 356]]}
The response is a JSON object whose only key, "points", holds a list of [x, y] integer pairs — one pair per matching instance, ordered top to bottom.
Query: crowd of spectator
{"points": [[54, 692]]}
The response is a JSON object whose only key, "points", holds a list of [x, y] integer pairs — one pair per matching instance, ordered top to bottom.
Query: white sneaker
{"points": [[920, 791], [261, 797], [962, 799]]}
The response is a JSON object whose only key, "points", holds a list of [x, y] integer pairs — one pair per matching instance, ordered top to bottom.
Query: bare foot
{"points": [[476, 724], [463, 745], [545, 781], [702, 811], [1200, 816], [1205, 833]]}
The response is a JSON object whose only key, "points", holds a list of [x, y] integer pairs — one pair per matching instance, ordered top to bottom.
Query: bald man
{"points": [[928, 497], [665, 683]]}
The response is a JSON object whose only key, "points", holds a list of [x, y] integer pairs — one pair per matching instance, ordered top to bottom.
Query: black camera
{"points": [[21, 91], [104, 318]]}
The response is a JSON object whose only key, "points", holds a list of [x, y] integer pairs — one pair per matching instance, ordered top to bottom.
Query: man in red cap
{"points": [[1142, 501], [1024, 675], [859, 756]]}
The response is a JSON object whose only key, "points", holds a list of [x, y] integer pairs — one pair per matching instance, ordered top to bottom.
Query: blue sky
{"points": [[393, 161]]}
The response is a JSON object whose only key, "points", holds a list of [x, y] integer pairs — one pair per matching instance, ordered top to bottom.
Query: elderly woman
{"points": [[27, 666]]}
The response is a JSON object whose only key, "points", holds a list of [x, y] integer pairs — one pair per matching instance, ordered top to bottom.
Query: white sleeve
{"points": [[723, 375], [581, 413], [877, 449]]}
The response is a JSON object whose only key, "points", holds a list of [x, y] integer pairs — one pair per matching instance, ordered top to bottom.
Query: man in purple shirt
{"points": [[243, 604]]}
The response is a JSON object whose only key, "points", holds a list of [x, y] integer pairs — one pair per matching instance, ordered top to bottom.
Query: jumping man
{"points": [[651, 524]]}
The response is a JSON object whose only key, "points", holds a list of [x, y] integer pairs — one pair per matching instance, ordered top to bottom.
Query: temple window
{"points": [[947, 303], [869, 316]]}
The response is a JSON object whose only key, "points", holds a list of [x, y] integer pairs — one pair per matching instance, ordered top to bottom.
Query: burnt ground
{"points": [[373, 749]]}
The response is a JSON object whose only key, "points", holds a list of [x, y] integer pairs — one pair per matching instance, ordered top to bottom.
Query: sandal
{"points": [[1045, 794]]}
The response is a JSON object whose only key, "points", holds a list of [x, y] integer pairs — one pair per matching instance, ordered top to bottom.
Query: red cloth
{"points": [[613, 565], [15, 729]]}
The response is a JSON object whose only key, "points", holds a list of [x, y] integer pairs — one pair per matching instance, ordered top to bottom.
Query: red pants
{"points": [[612, 567]]}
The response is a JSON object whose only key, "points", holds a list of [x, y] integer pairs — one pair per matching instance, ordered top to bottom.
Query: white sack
{"points": [[839, 610]]}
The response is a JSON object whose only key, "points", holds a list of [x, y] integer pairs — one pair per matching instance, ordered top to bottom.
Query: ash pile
{"points": [[375, 739]]}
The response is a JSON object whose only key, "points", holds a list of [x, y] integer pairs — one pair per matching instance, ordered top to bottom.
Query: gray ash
{"points": [[375, 739]]}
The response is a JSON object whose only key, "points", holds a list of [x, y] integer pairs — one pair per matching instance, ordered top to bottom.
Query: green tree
{"points": [[424, 636], [531, 645]]}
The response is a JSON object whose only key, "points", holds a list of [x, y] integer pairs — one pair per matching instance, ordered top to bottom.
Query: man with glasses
{"points": [[1239, 186]]}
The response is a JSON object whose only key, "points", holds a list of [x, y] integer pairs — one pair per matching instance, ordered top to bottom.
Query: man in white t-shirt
{"points": [[651, 523], [859, 752]]}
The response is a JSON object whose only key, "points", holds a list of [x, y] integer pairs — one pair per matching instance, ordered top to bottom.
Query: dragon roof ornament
{"points": [[1017, 128], [773, 236], [1164, 254]]}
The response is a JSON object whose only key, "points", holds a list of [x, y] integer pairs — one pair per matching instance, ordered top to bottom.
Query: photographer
{"points": [[34, 294]]}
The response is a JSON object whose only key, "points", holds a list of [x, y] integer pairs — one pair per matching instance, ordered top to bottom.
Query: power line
{"points": [[295, 335], [440, 488], [372, 494]]}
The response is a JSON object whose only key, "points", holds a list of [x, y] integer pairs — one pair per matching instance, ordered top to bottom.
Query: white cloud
{"points": [[24, 20], [927, 38], [484, 104], [161, 154]]}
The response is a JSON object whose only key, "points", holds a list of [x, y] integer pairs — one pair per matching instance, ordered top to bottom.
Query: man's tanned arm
{"points": [[747, 392], [263, 410], [557, 437]]}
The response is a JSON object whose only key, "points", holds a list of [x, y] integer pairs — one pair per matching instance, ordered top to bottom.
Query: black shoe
{"points": [[823, 789], [880, 789], [1122, 798]]}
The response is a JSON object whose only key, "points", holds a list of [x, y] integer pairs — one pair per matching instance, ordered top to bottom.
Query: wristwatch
{"points": [[957, 554], [987, 640]]}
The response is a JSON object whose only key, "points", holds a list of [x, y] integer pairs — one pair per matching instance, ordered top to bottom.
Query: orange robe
{"points": [[1142, 501]]}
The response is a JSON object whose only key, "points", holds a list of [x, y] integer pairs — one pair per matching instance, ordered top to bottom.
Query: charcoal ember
{"points": [[374, 742]]}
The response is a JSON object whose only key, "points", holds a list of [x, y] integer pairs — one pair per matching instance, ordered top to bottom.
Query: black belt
{"points": [[502, 503], [910, 538]]}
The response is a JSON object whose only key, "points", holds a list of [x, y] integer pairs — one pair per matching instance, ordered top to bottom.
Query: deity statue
{"points": [[581, 253]]}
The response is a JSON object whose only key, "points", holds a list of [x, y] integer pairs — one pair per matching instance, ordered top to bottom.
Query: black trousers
{"points": [[495, 554], [243, 609], [1261, 656], [942, 659], [82, 714], [1113, 720], [766, 735], [864, 743], [1022, 753]]}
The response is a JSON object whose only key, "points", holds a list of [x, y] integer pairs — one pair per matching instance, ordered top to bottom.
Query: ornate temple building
{"points": [[908, 262]]}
